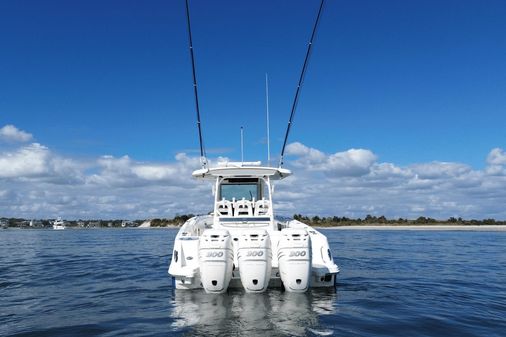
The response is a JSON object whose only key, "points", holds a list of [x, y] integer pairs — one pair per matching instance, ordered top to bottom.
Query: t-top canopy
{"points": [[238, 170]]}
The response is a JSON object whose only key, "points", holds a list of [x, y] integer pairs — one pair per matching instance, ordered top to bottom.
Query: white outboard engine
{"points": [[294, 255], [255, 259], [216, 260]]}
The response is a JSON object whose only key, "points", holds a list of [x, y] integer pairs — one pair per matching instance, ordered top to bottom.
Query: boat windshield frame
{"points": [[254, 183]]}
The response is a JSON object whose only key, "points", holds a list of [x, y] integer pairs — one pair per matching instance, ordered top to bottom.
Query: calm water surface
{"points": [[115, 283]]}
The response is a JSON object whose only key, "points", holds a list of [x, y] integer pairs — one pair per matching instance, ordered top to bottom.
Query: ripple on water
{"points": [[115, 283]]}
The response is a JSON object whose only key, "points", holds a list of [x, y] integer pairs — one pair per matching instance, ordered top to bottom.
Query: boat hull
{"points": [[195, 264]]}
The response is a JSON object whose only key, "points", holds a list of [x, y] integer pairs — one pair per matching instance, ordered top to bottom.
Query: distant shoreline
{"points": [[343, 223], [379, 227], [435, 227]]}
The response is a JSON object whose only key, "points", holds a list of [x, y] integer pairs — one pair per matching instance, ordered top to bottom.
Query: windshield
{"points": [[239, 191]]}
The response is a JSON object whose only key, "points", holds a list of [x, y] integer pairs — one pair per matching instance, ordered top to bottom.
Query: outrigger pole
{"points": [[301, 80], [203, 159]]}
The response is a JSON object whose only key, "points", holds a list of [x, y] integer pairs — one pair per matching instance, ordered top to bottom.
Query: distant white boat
{"points": [[59, 223]]}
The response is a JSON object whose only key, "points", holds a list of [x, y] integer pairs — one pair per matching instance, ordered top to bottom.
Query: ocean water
{"points": [[111, 282]]}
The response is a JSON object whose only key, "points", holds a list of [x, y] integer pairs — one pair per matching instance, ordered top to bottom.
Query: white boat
{"points": [[58, 223], [242, 244]]}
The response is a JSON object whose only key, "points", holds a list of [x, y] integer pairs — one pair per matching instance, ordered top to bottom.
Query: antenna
{"points": [[301, 79], [267, 110], [242, 145], [203, 159]]}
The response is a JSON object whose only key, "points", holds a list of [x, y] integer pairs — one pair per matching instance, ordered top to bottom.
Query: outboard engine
{"points": [[294, 255], [255, 259], [216, 260]]}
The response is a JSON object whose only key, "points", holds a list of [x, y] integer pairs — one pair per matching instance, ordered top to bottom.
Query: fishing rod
{"points": [[301, 80], [267, 113], [203, 159]]}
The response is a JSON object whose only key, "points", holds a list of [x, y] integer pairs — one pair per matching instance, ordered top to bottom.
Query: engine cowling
{"points": [[294, 256], [216, 260], [255, 260]]}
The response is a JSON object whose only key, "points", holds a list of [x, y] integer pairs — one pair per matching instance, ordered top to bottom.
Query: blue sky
{"points": [[413, 82]]}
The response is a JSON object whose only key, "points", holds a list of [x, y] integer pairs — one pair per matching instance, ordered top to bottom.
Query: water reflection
{"points": [[238, 313]]}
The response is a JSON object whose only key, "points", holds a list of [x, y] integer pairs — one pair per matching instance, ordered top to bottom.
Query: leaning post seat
{"points": [[243, 207], [262, 207], [224, 208]]}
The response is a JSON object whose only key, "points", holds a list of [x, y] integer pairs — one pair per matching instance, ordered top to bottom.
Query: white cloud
{"points": [[11, 133], [301, 150], [496, 156], [496, 160], [28, 161], [35, 161], [354, 162], [438, 170], [126, 172], [155, 172], [36, 182], [362, 185]]}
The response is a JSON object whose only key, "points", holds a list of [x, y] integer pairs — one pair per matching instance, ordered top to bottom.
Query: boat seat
{"points": [[243, 207], [261, 207], [224, 208]]}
